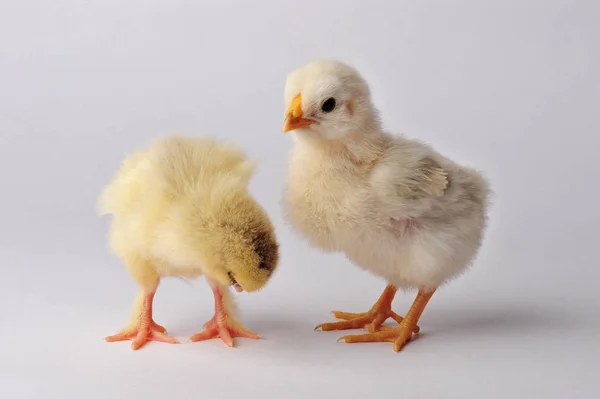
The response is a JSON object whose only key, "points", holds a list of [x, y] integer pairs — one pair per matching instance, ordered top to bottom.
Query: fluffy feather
{"points": [[393, 206], [183, 208]]}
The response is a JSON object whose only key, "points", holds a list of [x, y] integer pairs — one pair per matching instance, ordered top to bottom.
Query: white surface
{"points": [[511, 87]]}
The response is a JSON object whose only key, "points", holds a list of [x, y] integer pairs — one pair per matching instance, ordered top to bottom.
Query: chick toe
{"points": [[371, 320], [144, 329], [224, 329], [141, 336], [399, 336]]}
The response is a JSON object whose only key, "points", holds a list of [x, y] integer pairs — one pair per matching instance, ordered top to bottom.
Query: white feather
{"points": [[393, 206]]}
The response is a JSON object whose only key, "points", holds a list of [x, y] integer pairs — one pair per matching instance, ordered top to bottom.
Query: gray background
{"points": [[511, 87]]}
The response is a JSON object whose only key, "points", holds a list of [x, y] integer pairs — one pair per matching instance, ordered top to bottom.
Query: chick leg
{"points": [[372, 320], [223, 325], [142, 328], [399, 335]]}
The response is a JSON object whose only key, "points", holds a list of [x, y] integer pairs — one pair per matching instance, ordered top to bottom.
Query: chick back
{"points": [[160, 192]]}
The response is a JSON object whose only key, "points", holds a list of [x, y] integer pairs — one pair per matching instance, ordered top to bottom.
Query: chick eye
{"points": [[328, 105]]}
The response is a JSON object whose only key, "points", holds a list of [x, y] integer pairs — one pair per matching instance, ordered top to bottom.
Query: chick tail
{"points": [[120, 193]]}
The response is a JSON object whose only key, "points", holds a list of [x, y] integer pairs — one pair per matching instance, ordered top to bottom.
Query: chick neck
{"points": [[362, 145]]}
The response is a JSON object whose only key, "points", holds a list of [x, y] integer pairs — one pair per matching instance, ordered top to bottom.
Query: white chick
{"points": [[392, 205], [181, 208]]}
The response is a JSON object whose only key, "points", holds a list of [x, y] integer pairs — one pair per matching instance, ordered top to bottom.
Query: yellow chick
{"points": [[392, 205], [181, 208]]}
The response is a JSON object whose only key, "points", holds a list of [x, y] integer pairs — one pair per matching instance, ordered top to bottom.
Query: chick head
{"points": [[326, 99], [244, 241]]}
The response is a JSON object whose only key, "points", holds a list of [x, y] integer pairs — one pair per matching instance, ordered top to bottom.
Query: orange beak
{"points": [[295, 116]]}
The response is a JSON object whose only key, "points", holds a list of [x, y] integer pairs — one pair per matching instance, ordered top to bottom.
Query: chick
{"points": [[392, 205], [181, 208]]}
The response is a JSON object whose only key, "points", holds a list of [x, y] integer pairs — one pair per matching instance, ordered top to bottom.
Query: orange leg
{"points": [[372, 320], [222, 325], [144, 329], [401, 334]]}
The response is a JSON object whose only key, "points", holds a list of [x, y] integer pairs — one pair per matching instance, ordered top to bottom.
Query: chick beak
{"points": [[295, 116], [234, 283]]}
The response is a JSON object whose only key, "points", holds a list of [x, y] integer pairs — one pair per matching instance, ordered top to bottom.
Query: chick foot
{"points": [[372, 320], [222, 325], [225, 329], [145, 330], [399, 335], [141, 336]]}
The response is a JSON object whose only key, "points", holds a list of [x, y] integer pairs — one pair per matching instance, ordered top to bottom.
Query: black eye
{"points": [[328, 105]]}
